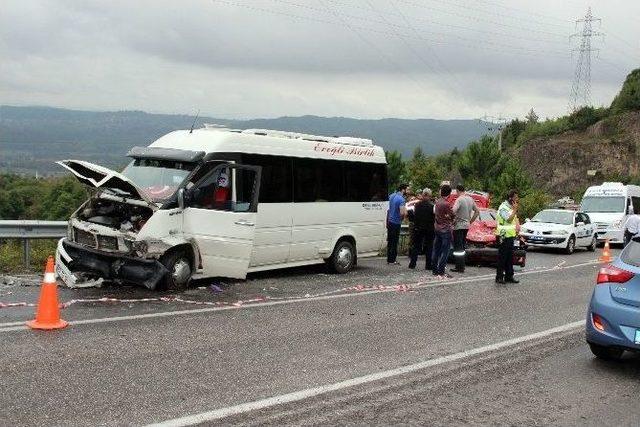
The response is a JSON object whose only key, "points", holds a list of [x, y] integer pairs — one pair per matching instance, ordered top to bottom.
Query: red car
{"points": [[481, 241]]}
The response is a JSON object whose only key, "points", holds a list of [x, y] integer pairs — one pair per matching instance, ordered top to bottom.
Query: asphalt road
{"points": [[382, 345]]}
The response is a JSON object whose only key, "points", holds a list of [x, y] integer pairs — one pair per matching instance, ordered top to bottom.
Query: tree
{"points": [[629, 96], [532, 117], [482, 162], [395, 168], [424, 173], [511, 177]]}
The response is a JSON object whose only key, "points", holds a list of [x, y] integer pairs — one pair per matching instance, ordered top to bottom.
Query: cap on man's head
{"points": [[426, 191]]}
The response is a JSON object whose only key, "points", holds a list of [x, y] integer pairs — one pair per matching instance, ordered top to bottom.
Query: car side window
{"points": [[585, 218]]}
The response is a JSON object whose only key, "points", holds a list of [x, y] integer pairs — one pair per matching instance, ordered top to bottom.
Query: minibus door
{"points": [[220, 215]]}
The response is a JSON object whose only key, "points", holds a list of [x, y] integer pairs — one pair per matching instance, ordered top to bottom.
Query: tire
{"points": [[594, 243], [571, 245], [343, 257], [180, 267], [606, 353]]}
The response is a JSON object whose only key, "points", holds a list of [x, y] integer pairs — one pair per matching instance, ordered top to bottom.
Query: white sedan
{"points": [[560, 229]]}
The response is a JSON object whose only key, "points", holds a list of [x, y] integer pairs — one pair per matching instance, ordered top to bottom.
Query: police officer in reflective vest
{"points": [[506, 233]]}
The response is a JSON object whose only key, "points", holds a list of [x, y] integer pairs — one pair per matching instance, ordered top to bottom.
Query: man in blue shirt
{"points": [[396, 213]]}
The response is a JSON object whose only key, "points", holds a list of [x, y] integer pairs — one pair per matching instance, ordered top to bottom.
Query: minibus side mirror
{"points": [[630, 210], [579, 224]]}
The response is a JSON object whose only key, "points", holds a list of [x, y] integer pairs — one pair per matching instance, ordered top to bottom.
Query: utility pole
{"points": [[581, 85], [494, 124]]}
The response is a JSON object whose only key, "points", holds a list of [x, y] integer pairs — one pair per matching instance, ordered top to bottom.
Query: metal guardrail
{"points": [[26, 230]]}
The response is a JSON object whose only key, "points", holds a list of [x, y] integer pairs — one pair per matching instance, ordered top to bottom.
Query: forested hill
{"points": [[32, 138], [565, 155]]}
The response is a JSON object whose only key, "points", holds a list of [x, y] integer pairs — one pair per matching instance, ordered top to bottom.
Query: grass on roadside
{"points": [[11, 256]]}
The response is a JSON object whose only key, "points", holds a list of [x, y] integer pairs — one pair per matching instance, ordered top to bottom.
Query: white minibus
{"points": [[217, 202], [608, 206]]}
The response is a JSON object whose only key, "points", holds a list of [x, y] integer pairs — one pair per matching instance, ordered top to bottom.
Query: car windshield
{"points": [[159, 179], [603, 204], [554, 217]]}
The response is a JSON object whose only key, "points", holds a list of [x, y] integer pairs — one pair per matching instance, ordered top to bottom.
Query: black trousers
{"points": [[393, 237], [421, 242], [459, 248], [505, 259]]}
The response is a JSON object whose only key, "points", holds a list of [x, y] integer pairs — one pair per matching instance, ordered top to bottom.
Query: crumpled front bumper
{"points": [[489, 255], [74, 262]]}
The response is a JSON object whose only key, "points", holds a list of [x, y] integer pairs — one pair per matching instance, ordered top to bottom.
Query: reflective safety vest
{"points": [[506, 228]]}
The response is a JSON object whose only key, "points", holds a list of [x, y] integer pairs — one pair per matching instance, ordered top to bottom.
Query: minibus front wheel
{"points": [[343, 257], [179, 265]]}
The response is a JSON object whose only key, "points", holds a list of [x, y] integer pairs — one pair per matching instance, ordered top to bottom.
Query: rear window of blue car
{"points": [[631, 253]]}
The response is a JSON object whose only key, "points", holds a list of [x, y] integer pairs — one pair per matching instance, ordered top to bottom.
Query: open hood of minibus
{"points": [[102, 178]]}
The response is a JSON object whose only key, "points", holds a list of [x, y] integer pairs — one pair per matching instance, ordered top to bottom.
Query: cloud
{"points": [[264, 58]]}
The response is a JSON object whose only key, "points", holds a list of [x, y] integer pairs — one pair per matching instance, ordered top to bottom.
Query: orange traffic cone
{"points": [[606, 253], [48, 311]]}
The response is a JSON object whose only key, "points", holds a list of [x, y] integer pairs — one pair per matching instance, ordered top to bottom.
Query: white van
{"points": [[217, 202], [608, 206]]}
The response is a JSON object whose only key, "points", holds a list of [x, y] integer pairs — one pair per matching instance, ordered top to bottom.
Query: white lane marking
{"points": [[19, 326], [220, 413]]}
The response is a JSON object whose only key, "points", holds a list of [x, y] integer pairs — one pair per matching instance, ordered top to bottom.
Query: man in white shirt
{"points": [[466, 213], [631, 228]]}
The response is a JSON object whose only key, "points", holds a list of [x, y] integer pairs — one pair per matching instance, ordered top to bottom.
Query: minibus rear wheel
{"points": [[343, 257], [180, 269]]}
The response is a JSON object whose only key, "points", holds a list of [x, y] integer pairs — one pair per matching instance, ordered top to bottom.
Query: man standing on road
{"points": [[466, 212], [395, 214], [422, 217], [443, 226], [631, 228], [506, 232]]}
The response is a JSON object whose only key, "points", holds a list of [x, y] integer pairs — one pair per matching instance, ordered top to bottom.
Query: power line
{"points": [[467, 7], [527, 12], [477, 19], [457, 27], [416, 32], [409, 47], [500, 47], [377, 49], [581, 85]]}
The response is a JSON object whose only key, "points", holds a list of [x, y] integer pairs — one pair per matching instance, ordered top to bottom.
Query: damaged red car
{"points": [[482, 247]]}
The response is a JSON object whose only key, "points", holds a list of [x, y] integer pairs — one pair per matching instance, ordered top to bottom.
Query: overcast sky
{"points": [[268, 58]]}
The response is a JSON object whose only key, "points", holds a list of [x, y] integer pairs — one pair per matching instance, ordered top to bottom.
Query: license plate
{"points": [[537, 238], [637, 339]]}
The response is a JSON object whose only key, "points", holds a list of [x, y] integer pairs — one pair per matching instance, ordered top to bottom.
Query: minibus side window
{"points": [[277, 180], [226, 189], [214, 192], [636, 205]]}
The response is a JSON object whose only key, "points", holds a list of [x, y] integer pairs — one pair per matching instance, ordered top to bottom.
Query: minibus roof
{"points": [[212, 139]]}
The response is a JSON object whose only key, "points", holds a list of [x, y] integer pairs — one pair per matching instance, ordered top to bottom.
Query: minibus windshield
{"points": [[159, 179], [605, 204]]}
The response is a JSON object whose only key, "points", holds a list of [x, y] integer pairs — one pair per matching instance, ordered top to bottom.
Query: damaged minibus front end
{"points": [[125, 233]]}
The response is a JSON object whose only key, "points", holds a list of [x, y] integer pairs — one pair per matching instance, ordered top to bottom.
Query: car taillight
{"points": [[611, 274]]}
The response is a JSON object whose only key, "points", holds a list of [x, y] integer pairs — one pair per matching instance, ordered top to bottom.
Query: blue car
{"points": [[613, 318]]}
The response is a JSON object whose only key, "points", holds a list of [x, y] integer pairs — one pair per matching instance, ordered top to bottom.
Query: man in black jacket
{"points": [[422, 216]]}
